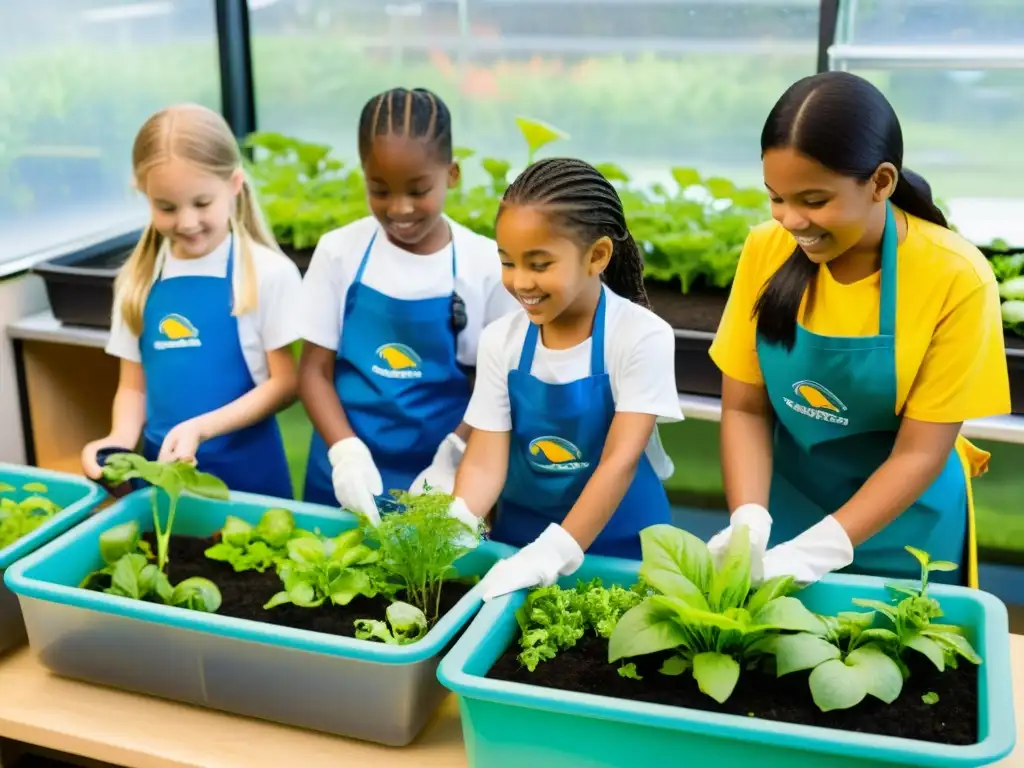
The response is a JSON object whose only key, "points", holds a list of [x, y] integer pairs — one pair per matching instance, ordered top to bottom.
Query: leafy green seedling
{"points": [[538, 134], [173, 479], [19, 518], [419, 545], [246, 547], [321, 569], [129, 573], [709, 616], [911, 619], [407, 625], [629, 670], [930, 698]]}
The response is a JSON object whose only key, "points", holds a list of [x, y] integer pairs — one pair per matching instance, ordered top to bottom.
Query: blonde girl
{"points": [[202, 313]]}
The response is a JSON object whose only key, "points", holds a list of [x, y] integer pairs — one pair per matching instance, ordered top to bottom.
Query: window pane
{"points": [[954, 22], [77, 79], [645, 84]]}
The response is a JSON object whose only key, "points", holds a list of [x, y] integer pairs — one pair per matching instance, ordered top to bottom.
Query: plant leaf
{"points": [[537, 133], [119, 541], [920, 555], [675, 562], [942, 565], [731, 583], [780, 586], [878, 605], [789, 613], [686, 615], [646, 628], [955, 642], [928, 647], [801, 651], [675, 665], [716, 674], [880, 675], [836, 686]]}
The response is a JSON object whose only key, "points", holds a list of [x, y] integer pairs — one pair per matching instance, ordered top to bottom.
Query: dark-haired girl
{"points": [[393, 308], [859, 335], [569, 388]]}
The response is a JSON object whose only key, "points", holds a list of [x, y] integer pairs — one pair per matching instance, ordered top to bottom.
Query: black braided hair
{"points": [[416, 113], [587, 205]]}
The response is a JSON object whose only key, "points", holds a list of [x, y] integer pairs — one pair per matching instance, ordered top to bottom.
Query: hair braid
{"points": [[415, 113], [587, 204]]}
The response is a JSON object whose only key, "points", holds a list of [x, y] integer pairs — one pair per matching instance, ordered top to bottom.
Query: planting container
{"points": [[1015, 367], [76, 495], [356, 688], [513, 724]]}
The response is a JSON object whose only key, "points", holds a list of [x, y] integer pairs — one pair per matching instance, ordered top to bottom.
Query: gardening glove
{"points": [[440, 475], [356, 478], [462, 513], [759, 528], [821, 549], [552, 554]]}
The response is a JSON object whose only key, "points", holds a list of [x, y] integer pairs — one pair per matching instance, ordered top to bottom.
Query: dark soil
{"points": [[698, 310], [244, 594], [585, 669]]}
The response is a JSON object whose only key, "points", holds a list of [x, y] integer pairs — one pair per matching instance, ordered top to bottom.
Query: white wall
{"points": [[20, 295]]}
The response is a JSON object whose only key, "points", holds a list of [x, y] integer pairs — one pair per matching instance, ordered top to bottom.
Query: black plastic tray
{"points": [[80, 285], [696, 372]]}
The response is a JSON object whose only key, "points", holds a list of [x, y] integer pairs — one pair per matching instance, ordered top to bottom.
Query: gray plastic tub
{"points": [[76, 496], [340, 685]]}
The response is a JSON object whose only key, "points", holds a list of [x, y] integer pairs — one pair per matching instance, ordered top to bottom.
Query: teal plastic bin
{"points": [[76, 496], [357, 688], [508, 725]]}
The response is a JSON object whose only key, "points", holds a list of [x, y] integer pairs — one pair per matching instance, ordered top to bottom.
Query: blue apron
{"points": [[193, 362], [399, 381], [834, 399], [558, 434]]}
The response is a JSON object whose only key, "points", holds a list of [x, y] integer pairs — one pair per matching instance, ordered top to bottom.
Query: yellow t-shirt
{"points": [[950, 360]]}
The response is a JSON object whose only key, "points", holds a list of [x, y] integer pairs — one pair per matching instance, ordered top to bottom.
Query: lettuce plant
{"points": [[20, 518], [256, 547], [711, 617], [407, 625]]}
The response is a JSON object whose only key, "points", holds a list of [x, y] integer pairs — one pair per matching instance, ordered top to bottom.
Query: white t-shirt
{"points": [[402, 275], [271, 326], [639, 356]]}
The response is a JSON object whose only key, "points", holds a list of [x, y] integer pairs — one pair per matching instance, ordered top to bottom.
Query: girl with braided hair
{"points": [[393, 308], [570, 387]]}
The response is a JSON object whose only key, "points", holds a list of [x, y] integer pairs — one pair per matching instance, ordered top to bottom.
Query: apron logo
{"points": [[177, 331], [399, 362], [820, 403], [553, 454]]}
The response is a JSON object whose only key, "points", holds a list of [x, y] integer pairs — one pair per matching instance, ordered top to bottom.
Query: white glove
{"points": [[440, 475], [356, 478], [461, 512], [759, 528], [821, 549], [552, 554]]}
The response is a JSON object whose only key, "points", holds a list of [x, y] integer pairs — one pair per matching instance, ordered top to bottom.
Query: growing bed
{"points": [[36, 505], [295, 665], [578, 708]]}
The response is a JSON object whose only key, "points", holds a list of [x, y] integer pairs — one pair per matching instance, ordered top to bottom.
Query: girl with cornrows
{"points": [[393, 307], [859, 335], [570, 387]]}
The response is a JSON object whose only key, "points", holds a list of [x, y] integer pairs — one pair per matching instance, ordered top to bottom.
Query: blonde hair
{"points": [[201, 137]]}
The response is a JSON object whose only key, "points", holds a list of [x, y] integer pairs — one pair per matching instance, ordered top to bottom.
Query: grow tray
{"points": [[694, 317], [76, 496], [310, 679], [587, 729]]}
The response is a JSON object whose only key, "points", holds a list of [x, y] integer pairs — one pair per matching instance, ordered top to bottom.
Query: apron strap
{"points": [[366, 257], [229, 273], [887, 288], [597, 338]]}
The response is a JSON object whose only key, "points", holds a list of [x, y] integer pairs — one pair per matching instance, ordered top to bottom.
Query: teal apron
{"points": [[834, 399]]}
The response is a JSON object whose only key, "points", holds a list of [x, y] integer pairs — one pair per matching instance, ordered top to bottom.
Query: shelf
{"points": [[925, 56], [128, 729]]}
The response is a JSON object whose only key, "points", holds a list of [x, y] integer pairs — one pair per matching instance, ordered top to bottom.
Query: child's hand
{"points": [[182, 442], [90, 465]]}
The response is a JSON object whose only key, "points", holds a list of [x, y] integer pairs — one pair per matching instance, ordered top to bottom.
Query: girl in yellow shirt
{"points": [[859, 335]]}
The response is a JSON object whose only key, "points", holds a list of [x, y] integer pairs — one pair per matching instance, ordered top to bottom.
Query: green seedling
{"points": [[19, 517], [256, 548], [405, 624]]}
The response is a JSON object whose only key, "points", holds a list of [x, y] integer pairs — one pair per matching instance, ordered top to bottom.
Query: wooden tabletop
{"points": [[127, 729]]}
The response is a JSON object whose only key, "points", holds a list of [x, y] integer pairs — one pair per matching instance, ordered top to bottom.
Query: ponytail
{"points": [[913, 195], [249, 225], [625, 271], [135, 278], [777, 307]]}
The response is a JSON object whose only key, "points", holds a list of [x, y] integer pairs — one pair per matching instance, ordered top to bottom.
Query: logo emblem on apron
{"points": [[177, 331], [397, 362], [816, 402], [553, 454]]}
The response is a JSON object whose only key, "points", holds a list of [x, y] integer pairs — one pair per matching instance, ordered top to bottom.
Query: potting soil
{"points": [[953, 719]]}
